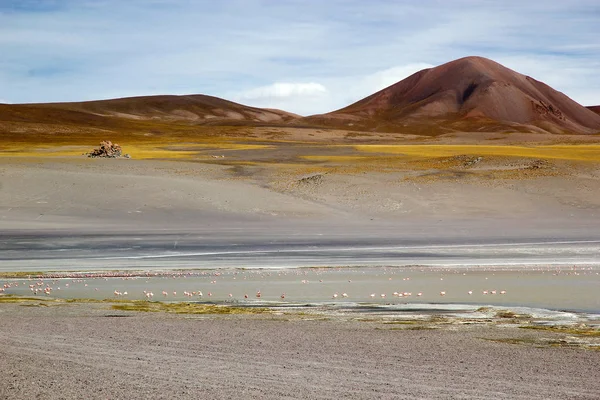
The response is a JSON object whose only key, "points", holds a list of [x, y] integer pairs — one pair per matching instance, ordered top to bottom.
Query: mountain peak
{"points": [[470, 89]]}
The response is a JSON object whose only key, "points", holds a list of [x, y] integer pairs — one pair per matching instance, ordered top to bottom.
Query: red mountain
{"points": [[471, 93]]}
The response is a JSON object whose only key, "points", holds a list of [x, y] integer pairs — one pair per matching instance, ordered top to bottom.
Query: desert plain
{"points": [[263, 198], [357, 254]]}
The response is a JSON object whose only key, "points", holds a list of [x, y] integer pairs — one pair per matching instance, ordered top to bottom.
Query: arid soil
{"points": [[305, 183], [286, 185], [90, 351]]}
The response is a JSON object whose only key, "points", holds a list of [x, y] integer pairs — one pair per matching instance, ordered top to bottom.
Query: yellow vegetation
{"points": [[138, 148], [582, 152], [186, 308]]}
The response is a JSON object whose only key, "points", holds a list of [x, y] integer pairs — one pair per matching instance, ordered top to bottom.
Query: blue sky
{"points": [[304, 56]]}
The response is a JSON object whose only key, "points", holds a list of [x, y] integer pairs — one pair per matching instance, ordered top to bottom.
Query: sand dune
{"points": [[595, 109]]}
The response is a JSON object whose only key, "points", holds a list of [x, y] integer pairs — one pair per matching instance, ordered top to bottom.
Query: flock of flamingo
{"points": [[51, 284], [58, 284]]}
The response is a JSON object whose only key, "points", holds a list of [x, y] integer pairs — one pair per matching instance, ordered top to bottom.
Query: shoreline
{"points": [[420, 312]]}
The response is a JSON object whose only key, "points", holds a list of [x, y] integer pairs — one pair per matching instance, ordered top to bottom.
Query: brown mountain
{"points": [[471, 93], [595, 109], [134, 111]]}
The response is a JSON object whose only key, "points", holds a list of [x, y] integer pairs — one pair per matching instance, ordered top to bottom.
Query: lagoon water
{"points": [[566, 288]]}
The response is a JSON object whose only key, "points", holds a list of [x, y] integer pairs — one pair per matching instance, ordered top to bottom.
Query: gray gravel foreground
{"points": [[87, 351]]}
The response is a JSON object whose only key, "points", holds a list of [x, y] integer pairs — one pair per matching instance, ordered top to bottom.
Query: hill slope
{"points": [[468, 93], [197, 108], [135, 113]]}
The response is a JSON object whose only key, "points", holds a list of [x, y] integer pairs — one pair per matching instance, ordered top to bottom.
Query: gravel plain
{"points": [[90, 351]]}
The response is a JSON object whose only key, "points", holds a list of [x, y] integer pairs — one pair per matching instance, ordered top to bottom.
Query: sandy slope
{"points": [[122, 194], [72, 213], [74, 351], [88, 351]]}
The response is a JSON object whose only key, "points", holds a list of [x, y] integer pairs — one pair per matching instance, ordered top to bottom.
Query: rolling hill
{"points": [[595, 109], [134, 114]]}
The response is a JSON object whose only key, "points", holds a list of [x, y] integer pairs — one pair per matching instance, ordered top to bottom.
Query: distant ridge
{"points": [[471, 93], [595, 109]]}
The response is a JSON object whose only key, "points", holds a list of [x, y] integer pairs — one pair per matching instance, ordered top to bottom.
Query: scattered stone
{"points": [[547, 109], [107, 149], [467, 161], [473, 161], [539, 164], [315, 179]]}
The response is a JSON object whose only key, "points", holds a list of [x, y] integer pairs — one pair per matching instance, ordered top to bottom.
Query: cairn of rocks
{"points": [[107, 149]]}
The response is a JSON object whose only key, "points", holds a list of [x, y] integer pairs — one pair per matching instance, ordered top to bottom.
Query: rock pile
{"points": [[107, 149], [315, 179]]}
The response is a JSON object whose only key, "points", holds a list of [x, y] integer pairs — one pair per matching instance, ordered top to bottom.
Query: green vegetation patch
{"points": [[21, 275], [22, 299], [187, 308], [401, 322], [570, 330], [545, 343]]}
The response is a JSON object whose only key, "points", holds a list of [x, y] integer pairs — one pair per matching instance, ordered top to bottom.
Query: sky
{"points": [[303, 56]]}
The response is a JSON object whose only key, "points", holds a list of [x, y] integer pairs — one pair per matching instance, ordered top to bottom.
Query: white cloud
{"points": [[382, 79], [282, 90], [297, 97]]}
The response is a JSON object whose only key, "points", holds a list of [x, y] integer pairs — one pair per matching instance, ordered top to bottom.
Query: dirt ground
{"points": [[294, 179], [91, 351]]}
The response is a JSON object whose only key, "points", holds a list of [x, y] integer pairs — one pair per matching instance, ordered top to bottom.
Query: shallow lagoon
{"points": [[567, 288]]}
